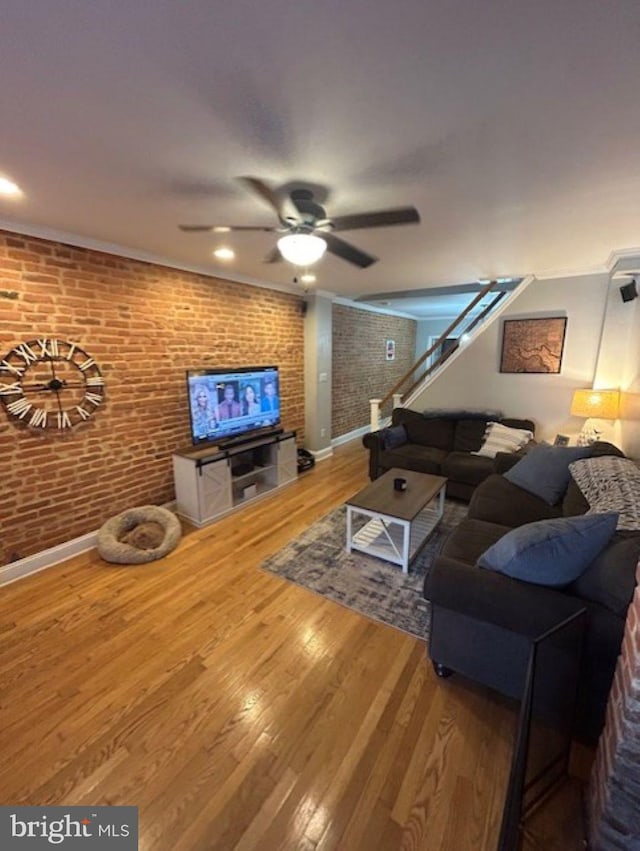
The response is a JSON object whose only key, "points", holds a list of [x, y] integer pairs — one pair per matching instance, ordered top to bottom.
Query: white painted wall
{"points": [[427, 328], [619, 366], [317, 373], [474, 379]]}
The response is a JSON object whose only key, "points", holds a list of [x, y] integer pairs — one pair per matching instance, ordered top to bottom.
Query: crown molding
{"points": [[359, 305]]}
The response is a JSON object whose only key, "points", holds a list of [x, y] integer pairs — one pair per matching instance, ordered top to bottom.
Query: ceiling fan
{"points": [[307, 231]]}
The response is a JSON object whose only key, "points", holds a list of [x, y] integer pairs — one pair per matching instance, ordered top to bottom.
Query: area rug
{"points": [[318, 561]]}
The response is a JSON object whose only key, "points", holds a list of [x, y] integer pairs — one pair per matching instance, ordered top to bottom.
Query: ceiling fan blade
{"points": [[284, 207], [379, 219], [224, 228], [348, 252], [273, 256]]}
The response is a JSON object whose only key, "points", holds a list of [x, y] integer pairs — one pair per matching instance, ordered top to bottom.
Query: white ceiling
{"points": [[512, 126]]}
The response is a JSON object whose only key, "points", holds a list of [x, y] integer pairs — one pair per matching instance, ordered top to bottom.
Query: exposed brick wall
{"points": [[145, 325], [360, 369], [613, 803]]}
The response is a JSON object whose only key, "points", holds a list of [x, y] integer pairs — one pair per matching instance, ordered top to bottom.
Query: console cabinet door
{"points": [[287, 461], [214, 489]]}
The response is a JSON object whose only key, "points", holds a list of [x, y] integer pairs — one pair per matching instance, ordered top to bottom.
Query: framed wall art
{"points": [[533, 345], [390, 348]]}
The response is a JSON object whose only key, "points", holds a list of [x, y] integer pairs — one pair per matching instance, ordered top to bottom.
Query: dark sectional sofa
{"points": [[440, 445], [483, 621]]}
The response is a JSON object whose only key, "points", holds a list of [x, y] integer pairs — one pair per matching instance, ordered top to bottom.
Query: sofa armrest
{"points": [[374, 443], [497, 500], [484, 595]]}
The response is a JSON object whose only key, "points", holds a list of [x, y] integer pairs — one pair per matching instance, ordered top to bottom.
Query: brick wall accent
{"points": [[145, 325], [360, 369], [613, 802]]}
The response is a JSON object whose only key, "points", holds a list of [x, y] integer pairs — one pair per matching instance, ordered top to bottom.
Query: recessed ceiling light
{"points": [[9, 188], [222, 229], [224, 253], [308, 278]]}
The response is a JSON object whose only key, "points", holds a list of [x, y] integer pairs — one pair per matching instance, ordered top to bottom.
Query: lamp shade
{"points": [[301, 249], [600, 404]]}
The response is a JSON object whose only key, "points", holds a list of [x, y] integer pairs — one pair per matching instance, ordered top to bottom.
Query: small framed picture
{"points": [[391, 349], [561, 440]]}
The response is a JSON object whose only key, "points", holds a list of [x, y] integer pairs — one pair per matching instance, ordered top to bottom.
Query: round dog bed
{"points": [[139, 535]]}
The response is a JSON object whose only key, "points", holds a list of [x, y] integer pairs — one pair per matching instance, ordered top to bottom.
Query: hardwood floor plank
{"points": [[239, 711]]}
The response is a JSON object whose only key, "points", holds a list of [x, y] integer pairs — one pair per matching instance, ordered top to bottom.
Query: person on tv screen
{"points": [[270, 401], [250, 405], [229, 407], [205, 419]]}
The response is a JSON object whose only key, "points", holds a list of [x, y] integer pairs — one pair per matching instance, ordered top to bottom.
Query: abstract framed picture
{"points": [[533, 345]]}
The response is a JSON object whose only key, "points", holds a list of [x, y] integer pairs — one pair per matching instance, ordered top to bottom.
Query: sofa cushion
{"points": [[527, 425], [437, 433], [469, 435], [393, 436], [500, 438], [412, 456], [467, 468], [544, 471], [610, 484], [499, 501], [574, 502], [471, 538], [551, 552], [611, 578]]}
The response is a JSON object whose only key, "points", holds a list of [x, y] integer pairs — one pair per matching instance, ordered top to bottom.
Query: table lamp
{"points": [[594, 404]]}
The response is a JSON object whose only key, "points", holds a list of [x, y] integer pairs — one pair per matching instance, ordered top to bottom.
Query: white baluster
{"points": [[375, 414]]}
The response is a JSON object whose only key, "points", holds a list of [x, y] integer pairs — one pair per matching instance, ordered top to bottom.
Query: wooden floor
{"points": [[238, 711]]}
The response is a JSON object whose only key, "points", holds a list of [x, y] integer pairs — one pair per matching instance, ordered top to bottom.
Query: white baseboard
{"points": [[358, 432], [350, 435], [322, 454], [54, 555], [46, 558]]}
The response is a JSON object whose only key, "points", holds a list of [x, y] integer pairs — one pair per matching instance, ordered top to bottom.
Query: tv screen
{"points": [[227, 403]]}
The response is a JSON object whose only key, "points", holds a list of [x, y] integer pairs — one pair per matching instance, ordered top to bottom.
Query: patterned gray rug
{"points": [[318, 561]]}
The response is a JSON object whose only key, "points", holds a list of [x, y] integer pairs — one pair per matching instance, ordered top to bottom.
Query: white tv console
{"points": [[213, 482]]}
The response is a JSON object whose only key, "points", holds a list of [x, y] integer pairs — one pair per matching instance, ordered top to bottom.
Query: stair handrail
{"points": [[479, 296], [446, 355]]}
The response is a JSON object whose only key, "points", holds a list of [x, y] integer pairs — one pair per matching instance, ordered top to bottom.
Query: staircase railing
{"points": [[397, 393]]}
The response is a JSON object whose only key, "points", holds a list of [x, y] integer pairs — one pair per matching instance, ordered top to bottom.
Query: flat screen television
{"points": [[225, 404]]}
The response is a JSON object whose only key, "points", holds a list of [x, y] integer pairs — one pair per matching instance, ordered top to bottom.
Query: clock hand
{"points": [[53, 384], [57, 392]]}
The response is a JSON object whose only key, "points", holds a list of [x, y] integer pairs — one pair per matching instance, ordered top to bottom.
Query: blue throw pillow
{"points": [[394, 436], [544, 471], [551, 552]]}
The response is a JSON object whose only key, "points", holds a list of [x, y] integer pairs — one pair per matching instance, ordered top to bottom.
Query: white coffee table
{"points": [[400, 521]]}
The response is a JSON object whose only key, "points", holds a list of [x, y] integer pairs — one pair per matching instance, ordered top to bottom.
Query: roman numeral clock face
{"points": [[50, 384]]}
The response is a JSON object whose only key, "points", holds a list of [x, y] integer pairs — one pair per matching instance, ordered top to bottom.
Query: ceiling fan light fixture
{"points": [[301, 249]]}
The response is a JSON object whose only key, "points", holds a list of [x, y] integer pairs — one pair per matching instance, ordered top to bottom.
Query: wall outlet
{"points": [[323, 432]]}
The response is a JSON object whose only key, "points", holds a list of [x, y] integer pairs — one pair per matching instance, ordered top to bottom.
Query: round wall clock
{"points": [[50, 384]]}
